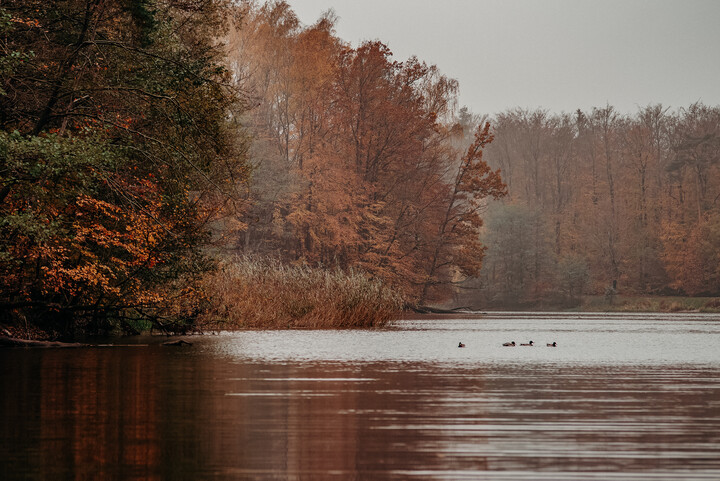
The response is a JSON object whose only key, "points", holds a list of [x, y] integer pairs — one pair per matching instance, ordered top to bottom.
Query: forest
{"points": [[176, 163], [594, 202], [603, 202]]}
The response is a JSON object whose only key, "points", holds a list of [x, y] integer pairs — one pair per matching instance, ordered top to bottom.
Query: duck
{"points": [[460, 344], [509, 344], [528, 344], [554, 344]]}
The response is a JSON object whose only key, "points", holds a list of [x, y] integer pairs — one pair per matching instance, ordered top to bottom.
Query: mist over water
{"points": [[621, 397]]}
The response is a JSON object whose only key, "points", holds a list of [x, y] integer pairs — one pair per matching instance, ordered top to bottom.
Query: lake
{"points": [[622, 397]]}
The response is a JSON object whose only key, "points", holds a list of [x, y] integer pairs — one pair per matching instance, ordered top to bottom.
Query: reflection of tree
{"points": [[156, 414], [169, 414], [97, 416], [418, 419], [285, 422]]}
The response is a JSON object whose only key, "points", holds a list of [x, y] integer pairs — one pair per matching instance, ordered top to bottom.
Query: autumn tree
{"points": [[286, 71], [696, 145], [116, 153], [646, 180], [456, 243], [692, 256], [517, 263], [572, 276]]}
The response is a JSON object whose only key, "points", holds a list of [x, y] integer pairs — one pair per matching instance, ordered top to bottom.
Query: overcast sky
{"points": [[560, 55]]}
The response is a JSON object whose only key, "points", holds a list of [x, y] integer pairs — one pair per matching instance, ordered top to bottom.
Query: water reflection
{"points": [[219, 411], [75, 415]]}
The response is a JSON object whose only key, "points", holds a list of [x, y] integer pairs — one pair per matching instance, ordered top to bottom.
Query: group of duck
{"points": [[512, 344], [529, 344]]}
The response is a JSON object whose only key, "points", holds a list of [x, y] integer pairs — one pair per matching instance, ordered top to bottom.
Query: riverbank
{"points": [[267, 295], [598, 303], [621, 303]]}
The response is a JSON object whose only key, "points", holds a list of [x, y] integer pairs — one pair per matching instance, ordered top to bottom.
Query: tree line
{"points": [[603, 202]]}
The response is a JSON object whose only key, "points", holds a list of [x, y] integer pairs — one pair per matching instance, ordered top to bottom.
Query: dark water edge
{"points": [[401, 403]]}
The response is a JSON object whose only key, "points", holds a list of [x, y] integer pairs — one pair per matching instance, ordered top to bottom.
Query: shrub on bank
{"points": [[262, 293]]}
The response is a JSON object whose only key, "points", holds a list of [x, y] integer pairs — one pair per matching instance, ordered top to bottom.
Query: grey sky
{"points": [[555, 54]]}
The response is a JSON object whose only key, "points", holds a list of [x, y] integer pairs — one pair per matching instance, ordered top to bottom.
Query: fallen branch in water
{"points": [[438, 310], [15, 342], [177, 343]]}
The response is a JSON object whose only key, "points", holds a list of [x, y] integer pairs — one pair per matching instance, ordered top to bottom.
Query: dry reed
{"points": [[249, 292]]}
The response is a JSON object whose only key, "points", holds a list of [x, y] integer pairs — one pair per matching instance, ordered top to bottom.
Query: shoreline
{"points": [[590, 304]]}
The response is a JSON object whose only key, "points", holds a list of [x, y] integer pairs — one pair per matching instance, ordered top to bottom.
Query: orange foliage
{"points": [[373, 181], [692, 255], [99, 258]]}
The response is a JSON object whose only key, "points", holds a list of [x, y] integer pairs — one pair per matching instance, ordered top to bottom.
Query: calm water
{"points": [[633, 397]]}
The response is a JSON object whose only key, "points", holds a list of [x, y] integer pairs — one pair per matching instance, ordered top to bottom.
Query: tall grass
{"points": [[249, 292]]}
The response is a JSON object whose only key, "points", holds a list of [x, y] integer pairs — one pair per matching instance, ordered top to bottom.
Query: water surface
{"points": [[621, 397]]}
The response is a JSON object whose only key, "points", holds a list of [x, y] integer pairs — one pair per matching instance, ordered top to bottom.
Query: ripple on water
{"points": [[623, 397]]}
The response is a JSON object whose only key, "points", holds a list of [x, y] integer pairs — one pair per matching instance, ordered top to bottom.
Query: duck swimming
{"points": [[460, 344], [509, 344], [528, 344], [554, 344]]}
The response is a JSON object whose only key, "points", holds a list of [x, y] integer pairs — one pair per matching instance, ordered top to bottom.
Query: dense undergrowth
{"points": [[260, 293]]}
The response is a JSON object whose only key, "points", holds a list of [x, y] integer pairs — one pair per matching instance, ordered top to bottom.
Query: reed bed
{"points": [[250, 292]]}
